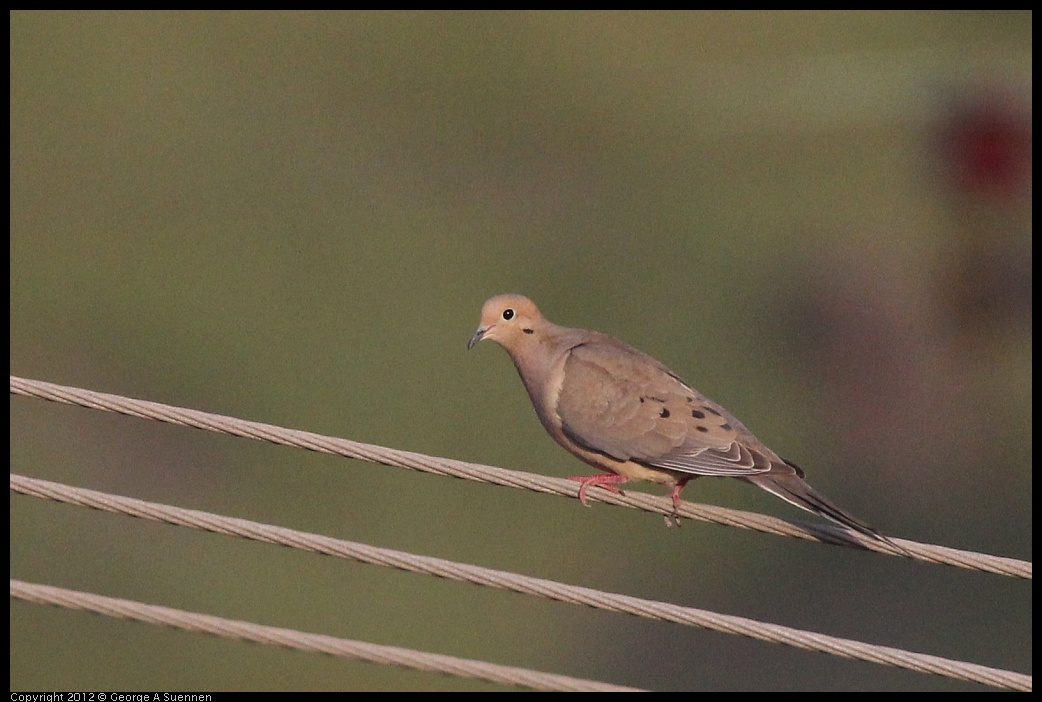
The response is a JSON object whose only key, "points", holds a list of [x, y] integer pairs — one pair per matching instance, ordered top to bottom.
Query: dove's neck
{"points": [[540, 363]]}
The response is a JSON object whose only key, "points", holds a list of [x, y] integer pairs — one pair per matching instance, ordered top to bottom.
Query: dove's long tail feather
{"points": [[793, 489]]}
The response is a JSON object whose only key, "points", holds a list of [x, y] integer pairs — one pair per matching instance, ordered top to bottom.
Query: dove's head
{"points": [[508, 320]]}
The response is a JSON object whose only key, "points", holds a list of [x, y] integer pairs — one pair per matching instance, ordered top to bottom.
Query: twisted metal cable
{"points": [[500, 476], [524, 584], [305, 641]]}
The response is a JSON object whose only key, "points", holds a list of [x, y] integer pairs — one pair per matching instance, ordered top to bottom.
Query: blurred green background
{"points": [[820, 220]]}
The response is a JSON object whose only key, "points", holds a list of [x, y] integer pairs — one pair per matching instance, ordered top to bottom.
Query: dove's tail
{"points": [[793, 489]]}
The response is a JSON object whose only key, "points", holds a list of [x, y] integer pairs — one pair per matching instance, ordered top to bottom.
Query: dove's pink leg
{"points": [[608, 481], [676, 493], [675, 517]]}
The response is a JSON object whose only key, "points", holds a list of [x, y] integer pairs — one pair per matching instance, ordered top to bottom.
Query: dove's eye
{"points": [[508, 314]]}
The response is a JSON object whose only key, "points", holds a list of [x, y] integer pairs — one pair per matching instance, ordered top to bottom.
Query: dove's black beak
{"points": [[478, 336]]}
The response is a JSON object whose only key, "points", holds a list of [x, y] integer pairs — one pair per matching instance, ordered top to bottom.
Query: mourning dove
{"points": [[625, 413]]}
